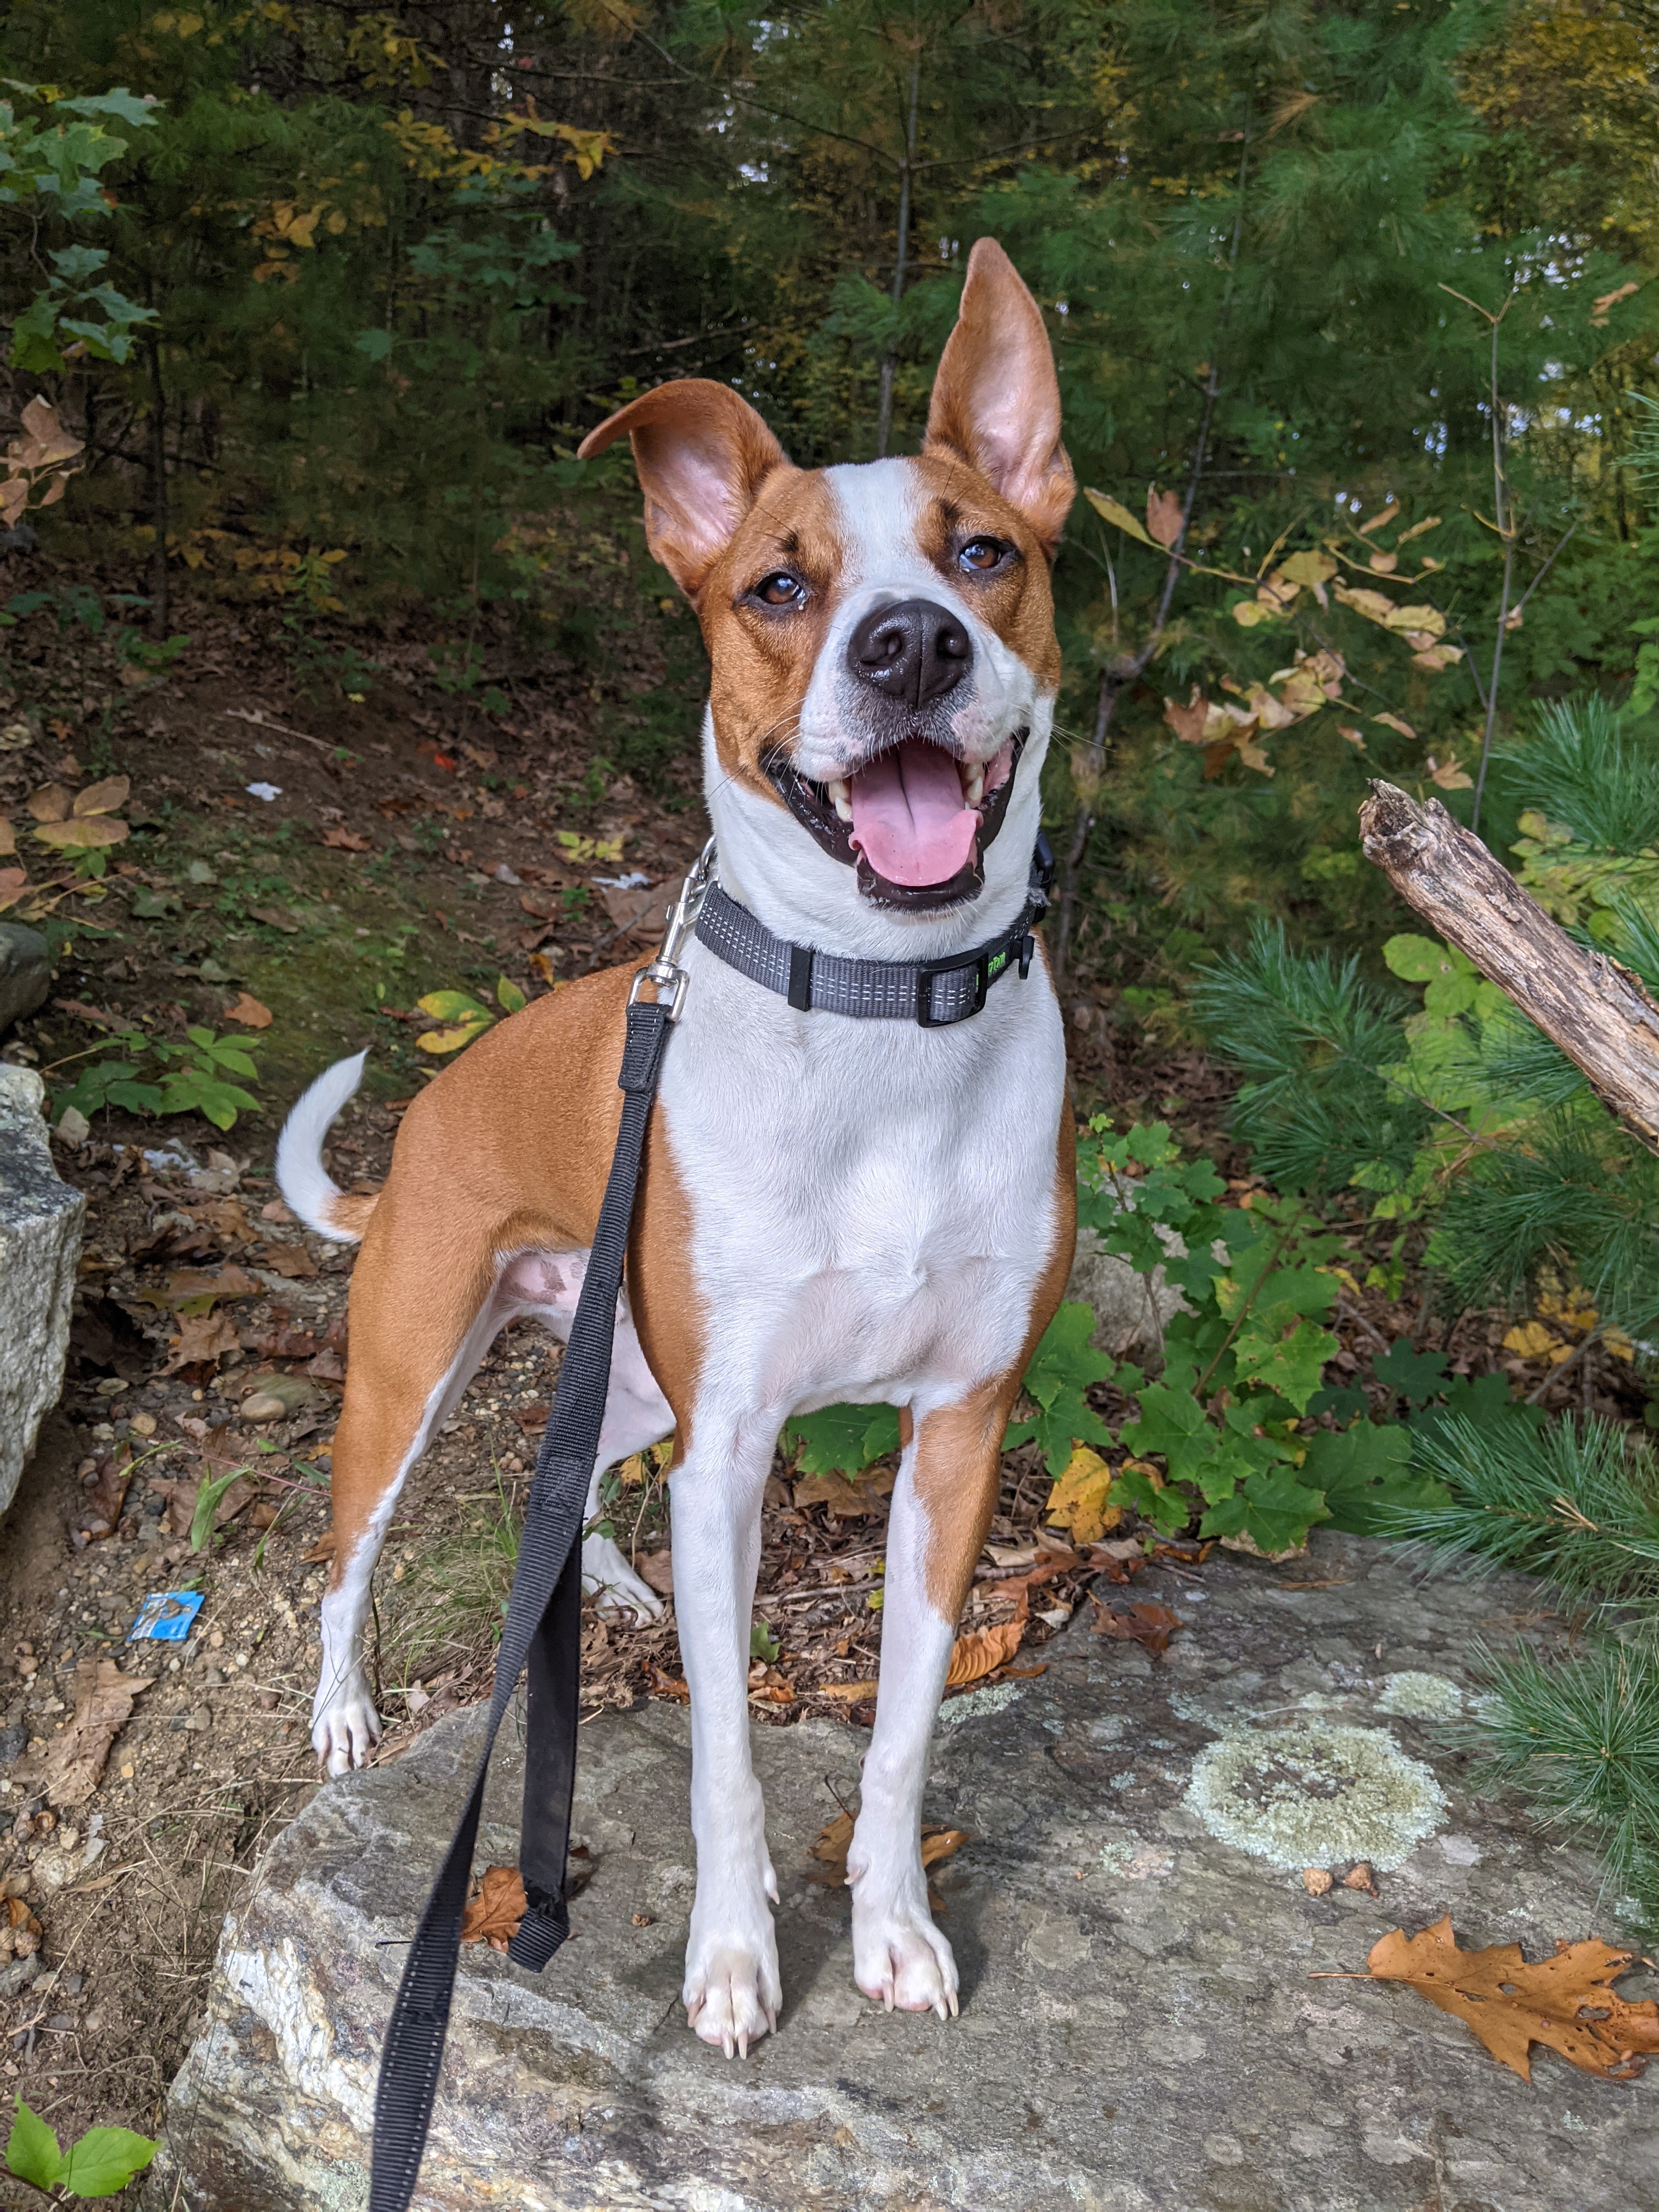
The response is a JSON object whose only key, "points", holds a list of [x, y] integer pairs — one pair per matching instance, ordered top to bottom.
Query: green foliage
{"points": [[49, 167], [463, 1017], [156, 1075], [1062, 1367], [841, 1439], [209, 1497], [762, 1644], [101, 2163]]}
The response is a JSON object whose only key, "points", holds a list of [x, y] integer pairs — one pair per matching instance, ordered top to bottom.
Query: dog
{"points": [[832, 1209]]}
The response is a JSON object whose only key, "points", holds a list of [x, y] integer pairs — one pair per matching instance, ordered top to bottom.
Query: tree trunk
{"points": [[158, 494], [1584, 1002]]}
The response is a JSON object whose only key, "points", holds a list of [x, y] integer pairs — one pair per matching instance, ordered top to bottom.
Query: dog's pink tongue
{"points": [[908, 820]]}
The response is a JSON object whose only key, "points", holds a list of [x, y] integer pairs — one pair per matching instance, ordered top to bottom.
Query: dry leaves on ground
{"points": [[249, 1013], [291, 1260], [201, 1336], [1151, 1626], [982, 1651], [67, 1772], [831, 1849], [492, 1914], [21, 1933], [1567, 2001]]}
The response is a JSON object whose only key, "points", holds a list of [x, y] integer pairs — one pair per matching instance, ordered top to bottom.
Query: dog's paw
{"points": [[619, 1590], [345, 1731], [901, 1960], [732, 1992]]}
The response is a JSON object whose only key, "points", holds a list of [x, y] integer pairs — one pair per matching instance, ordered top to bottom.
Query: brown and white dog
{"points": [[833, 1209]]}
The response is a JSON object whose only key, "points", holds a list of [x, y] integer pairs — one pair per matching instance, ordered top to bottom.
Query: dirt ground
{"points": [[408, 844]]}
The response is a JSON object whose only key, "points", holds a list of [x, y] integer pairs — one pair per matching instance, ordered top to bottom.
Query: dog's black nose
{"points": [[913, 652]]}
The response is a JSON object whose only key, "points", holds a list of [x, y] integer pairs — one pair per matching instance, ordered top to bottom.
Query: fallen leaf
{"points": [[103, 798], [51, 803], [348, 840], [275, 917], [249, 1012], [292, 1260], [201, 1337], [846, 1501], [1080, 1501], [98, 1509], [321, 1550], [656, 1571], [1144, 1623], [983, 1650], [669, 1685], [852, 1693], [68, 1772], [938, 1843], [1316, 1882], [492, 1914], [22, 1927], [1566, 2002]]}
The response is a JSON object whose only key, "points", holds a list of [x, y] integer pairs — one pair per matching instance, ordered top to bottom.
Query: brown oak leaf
{"points": [[249, 1012], [292, 1260], [201, 1337], [68, 1770], [492, 1914], [1567, 2001]]}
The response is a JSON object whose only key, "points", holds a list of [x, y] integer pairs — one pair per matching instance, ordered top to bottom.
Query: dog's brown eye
{"points": [[982, 553], [780, 589]]}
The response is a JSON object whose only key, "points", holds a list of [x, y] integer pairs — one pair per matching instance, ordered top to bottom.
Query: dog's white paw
{"points": [[619, 1590], [346, 1730], [901, 1960], [732, 1992]]}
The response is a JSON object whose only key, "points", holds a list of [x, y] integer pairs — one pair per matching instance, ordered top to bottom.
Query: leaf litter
{"points": [[1566, 2002]]}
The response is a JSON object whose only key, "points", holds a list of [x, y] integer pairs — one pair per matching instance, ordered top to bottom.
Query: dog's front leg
{"points": [[941, 1507], [732, 1990]]}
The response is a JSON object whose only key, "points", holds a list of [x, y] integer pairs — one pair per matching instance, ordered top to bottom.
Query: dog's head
{"points": [[881, 636]]}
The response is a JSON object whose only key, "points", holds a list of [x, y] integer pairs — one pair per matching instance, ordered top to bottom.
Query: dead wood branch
{"points": [[1584, 1002]]}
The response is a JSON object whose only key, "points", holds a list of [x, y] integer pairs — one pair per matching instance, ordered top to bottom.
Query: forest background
{"points": [[1352, 313]]}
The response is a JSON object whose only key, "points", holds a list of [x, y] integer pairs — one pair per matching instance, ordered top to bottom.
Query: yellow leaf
{"points": [[1113, 511], [1429, 522], [1384, 563], [1372, 605], [1248, 612], [1417, 618], [1394, 722], [1449, 776], [104, 797], [80, 835], [443, 1040], [1532, 1340], [1080, 1500]]}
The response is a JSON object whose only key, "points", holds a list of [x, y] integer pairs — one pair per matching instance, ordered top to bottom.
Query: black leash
{"points": [[542, 1628]]}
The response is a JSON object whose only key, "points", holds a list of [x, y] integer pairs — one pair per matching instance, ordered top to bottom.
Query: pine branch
{"points": [[1583, 1001]]}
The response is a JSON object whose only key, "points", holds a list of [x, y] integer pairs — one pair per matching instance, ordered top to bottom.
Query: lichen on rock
{"points": [[1415, 1697], [1313, 1793]]}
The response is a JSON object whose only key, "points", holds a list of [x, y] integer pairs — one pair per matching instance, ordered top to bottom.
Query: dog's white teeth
{"points": [[973, 789], [842, 797]]}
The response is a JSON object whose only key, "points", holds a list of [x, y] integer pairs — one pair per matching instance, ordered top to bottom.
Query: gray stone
{"points": [[25, 972], [41, 1219], [1131, 1311], [1140, 2028]]}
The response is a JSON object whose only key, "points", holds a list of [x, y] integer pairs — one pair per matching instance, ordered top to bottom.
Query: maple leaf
{"points": [[1163, 515], [347, 841], [201, 1336], [982, 1651], [494, 1912], [1567, 2001]]}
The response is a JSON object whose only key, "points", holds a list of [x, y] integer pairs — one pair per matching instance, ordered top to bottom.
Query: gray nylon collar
{"points": [[935, 993]]}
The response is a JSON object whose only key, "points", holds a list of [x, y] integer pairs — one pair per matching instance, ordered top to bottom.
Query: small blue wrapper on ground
{"points": [[166, 1616]]}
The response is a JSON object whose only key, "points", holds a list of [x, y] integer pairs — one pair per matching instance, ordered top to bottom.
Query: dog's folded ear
{"points": [[996, 398], [702, 454]]}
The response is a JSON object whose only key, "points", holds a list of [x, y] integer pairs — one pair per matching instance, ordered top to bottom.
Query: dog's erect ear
{"points": [[996, 399], [702, 452]]}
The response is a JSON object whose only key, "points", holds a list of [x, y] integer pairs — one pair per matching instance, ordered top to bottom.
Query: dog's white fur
{"points": [[872, 1204]]}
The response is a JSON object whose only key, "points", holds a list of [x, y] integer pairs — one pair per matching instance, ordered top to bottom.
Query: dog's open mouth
{"points": [[914, 820]]}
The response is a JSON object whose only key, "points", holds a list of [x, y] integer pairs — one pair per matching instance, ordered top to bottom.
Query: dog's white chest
{"points": [[872, 1203]]}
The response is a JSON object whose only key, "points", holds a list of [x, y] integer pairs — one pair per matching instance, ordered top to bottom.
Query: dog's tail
{"points": [[303, 1180]]}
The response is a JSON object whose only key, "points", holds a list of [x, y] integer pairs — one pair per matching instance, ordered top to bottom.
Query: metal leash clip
{"points": [[664, 971]]}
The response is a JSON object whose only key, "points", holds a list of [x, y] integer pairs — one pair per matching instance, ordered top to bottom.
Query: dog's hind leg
{"points": [[941, 1509]]}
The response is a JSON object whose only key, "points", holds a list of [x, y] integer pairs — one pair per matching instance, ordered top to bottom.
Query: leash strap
{"points": [[935, 993], [542, 1628]]}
